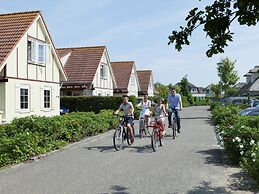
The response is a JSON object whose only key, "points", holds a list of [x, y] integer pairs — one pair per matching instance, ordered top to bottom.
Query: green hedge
{"points": [[93, 103], [239, 135], [31, 136]]}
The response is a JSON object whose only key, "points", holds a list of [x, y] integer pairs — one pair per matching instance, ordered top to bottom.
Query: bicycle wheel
{"points": [[141, 128], [174, 130], [128, 137], [118, 138], [161, 139], [154, 140]]}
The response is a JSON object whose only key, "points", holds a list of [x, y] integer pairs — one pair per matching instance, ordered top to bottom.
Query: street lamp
{"points": [[220, 65]]}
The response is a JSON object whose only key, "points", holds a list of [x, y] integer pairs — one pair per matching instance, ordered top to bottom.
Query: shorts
{"points": [[144, 113], [129, 120]]}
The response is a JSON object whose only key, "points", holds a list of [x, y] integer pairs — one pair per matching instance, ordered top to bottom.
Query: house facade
{"points": [[30, 69], [89, 71], [126, 78], [146, 82], [251, 86], [197, 92]]}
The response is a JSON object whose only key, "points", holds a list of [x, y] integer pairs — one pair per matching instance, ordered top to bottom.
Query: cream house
{"points": [[30, 69], [88, 70], [126, 78], [146, 82]]}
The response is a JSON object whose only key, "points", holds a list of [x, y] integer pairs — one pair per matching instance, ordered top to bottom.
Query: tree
{"points": [[216, 20], [228, 76], [215, 88], [162, 90], [184, 90], [232, 91]]}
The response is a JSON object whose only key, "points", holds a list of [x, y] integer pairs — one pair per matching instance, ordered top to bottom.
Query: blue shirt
{"points": [[174, 101]]}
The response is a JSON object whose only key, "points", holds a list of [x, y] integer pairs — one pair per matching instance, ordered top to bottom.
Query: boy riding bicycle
{"points": [[128, 110]]}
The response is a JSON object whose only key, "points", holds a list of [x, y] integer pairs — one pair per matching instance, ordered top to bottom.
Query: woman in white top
{"points": [[145, 104]]}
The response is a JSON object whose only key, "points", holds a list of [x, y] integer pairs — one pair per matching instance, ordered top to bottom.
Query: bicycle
{"points": [[174, 123], [143, 128], [121, 134], [157, 134]]}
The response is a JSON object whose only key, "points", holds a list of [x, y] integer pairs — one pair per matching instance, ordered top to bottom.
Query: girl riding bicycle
{"points": [[145, 104], [160, 114]]}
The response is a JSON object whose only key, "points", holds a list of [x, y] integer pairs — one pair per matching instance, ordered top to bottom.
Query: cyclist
{"points": [[175, 101], [145, 104], [128, 110], [160, 113]]}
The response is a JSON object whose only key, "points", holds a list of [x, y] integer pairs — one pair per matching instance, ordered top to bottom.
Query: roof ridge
{"points": [[18, 13], [83, 47], [123, 62], [144, 70]]}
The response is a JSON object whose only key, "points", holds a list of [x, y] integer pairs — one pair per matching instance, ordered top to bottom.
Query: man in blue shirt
{"points": [[175, 104]]}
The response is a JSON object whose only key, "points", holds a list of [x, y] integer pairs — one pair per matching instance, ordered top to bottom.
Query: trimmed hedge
{"points": [[93, 103], [239, 135], [31, 136]]}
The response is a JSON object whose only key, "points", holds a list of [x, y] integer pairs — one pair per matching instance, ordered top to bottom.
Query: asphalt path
{"points": [[192, 163]]}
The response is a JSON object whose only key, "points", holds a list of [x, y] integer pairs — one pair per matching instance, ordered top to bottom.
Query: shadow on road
{"points": [[190, 118], [109, 149], [213, 156], [205, 187], [117, 189]]}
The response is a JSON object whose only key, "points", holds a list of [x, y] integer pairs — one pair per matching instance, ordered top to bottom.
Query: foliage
{"points": [[216, 20], [227, 74], [215, 88], [162, 90], [184, 90], [232, 91], [239, 135], [31, 136]]}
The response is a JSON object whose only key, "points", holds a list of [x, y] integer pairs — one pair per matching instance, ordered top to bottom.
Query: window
{"points": [[38, 52], [41, 53], [103, 71], [132, 79], [24, 98], [46, 98]]}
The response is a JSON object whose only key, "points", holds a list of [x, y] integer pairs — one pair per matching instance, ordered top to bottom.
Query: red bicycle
{"points": [[157, 136]]}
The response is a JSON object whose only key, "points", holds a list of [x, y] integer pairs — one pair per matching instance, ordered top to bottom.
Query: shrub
{"points": [[30, 136]]}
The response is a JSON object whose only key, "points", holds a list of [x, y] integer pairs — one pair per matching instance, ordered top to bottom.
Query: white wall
{"points": [[133, 85], [103, 86], [151, 87], [36, 99]]}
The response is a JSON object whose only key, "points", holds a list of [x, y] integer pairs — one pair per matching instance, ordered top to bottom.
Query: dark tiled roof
{"points": [[12, 28], [82, 62], [122, 72], [144, 77], [246, 87]]}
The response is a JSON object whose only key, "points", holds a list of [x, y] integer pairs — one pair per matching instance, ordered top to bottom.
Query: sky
{"points": [[138, 30]]}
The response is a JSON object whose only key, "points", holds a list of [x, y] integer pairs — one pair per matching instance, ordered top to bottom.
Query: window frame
{"points": [[35, 55], [28, 99], [44, 99]]}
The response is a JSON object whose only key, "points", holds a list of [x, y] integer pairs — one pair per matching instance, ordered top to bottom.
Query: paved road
{"points": [[189, 164]]}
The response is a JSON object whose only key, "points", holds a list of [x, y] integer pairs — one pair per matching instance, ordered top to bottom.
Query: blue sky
{"points": [[138, 30]]}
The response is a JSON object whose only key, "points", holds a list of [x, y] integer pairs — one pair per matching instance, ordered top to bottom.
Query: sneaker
{"points": [[169, 126], [178, 130], [163, 133]]}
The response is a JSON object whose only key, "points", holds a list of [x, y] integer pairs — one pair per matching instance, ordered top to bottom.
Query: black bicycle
{"points": [[174, 122], [121, 134]]}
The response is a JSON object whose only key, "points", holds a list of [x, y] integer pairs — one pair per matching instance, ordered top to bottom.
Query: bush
{"points": [[239, 135], [30, 136]]}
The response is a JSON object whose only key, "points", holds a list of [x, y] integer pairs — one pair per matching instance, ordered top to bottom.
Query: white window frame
{"points": [[36, 57], [103, 71], [50, 98], [24, 110]]}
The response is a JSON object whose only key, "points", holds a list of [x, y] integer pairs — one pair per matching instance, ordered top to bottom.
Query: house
{"points": [[30, 69], [88, 70], [126, 78], [146, 82], [252, 83], [195, 91]]}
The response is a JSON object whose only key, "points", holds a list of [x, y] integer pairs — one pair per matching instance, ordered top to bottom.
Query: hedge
{"points": [[93, 103], [31, 136], [239, 136]]}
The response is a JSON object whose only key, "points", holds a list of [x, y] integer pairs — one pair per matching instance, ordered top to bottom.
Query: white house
{"points": [[30, 69], [88, 70], [126, 78], [146, 82], [252, 82], [197, 92]]}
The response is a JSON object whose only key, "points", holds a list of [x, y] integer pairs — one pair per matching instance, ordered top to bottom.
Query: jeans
{"points": [[177, 114]]}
